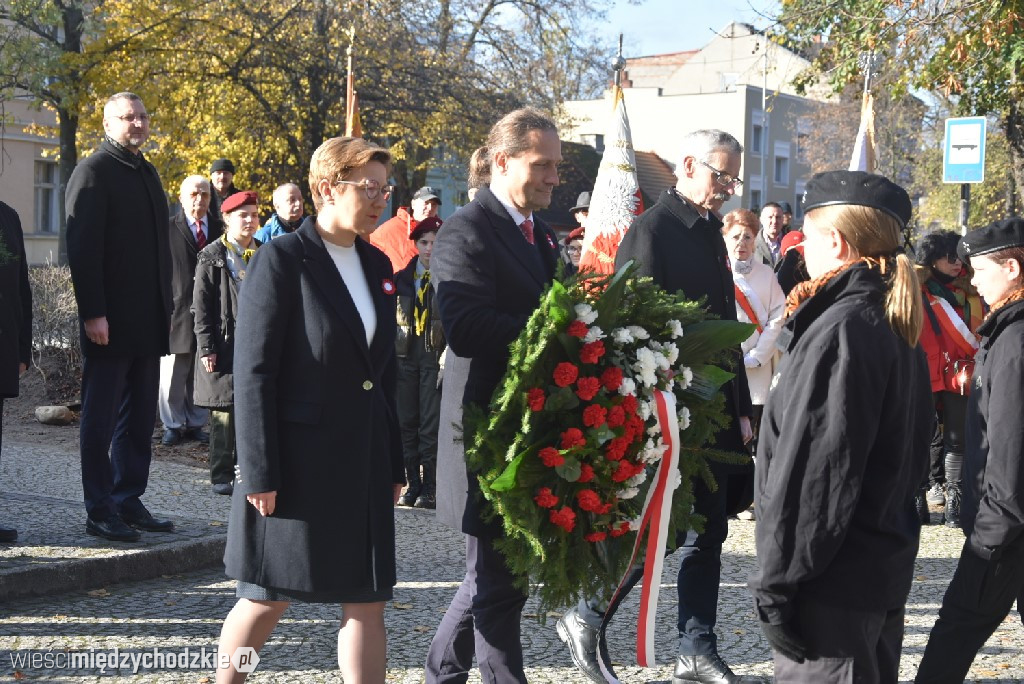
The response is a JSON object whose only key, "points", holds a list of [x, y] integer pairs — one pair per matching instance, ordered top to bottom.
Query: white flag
{"points": [[863, 158]]}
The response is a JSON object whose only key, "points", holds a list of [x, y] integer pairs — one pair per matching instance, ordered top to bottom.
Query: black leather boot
{"points": [[954, 463], [921, 506]]}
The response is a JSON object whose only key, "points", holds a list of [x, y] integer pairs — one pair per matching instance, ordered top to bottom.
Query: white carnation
{"points": [[585, 313], [675, 328], [638, 332], [593, 335], [622, 336], [672, 352], [646, 365], [684, 377], [627, 387], [644, 409], [684, 418], [637, 479], [629, 493]]}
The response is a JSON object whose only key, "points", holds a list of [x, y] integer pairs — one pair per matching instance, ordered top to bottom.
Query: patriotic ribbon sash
{"points": [[743, 297], [954, 327], [654, 522]]}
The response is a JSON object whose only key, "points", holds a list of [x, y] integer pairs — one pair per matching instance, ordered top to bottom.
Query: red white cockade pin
{"points": [[551, 242], [388, 286]]}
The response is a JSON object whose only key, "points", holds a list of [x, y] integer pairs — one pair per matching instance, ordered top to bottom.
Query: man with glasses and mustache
{"points": [[678, 242], [118, 250]]}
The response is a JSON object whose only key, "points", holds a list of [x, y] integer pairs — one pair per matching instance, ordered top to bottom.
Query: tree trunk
{"points": [[1013, 125], [68, 160]]}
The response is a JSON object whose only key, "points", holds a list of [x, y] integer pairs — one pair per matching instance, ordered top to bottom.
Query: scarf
{"points": [[243, 254], [743, 267], [807, 289], [1015, 296], [420, 310]]}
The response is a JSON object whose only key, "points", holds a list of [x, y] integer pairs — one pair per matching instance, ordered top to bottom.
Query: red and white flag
{"points": [[863, 158], [616, 199]]}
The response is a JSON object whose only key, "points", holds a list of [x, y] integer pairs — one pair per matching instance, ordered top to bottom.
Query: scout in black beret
{"points": [[859, 188], [994, 237]]}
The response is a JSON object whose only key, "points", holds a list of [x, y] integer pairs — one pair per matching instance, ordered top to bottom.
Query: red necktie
{"points": [[527, 228], [200, 236]]}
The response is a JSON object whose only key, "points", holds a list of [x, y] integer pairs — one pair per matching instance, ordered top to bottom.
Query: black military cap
{"points": [[859, 188], [994, 237]]}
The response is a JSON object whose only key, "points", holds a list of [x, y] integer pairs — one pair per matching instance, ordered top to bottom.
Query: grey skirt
{"points": [[255, 592]]}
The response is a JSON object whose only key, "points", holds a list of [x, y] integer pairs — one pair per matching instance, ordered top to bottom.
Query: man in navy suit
{"points": [[491, 263]]}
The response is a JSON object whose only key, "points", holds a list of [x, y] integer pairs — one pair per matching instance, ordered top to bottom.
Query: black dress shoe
{"points": [[199, 435], [171, 437], [224, 488], [425, 501], [921, 506], [144, 520], [112, 528], [8, 535], [582, 640], [708, 669]]}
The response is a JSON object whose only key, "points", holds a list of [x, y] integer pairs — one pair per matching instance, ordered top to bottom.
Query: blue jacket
{"points": [[273, 228]]}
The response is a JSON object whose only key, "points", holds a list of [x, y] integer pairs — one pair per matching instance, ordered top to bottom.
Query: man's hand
{"points": [[97, 330], [210, 363], [22, 367], [746, 431], [264, 502], [785, 640]]}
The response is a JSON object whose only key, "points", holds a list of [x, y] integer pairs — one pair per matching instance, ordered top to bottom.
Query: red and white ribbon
{"points": [[954, 326], [654, 518]]}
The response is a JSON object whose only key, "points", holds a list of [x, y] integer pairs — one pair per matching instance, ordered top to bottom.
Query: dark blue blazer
{"points": [[489, 280]]}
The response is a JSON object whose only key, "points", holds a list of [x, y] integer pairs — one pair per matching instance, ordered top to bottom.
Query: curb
{"points": [[92, 573]]}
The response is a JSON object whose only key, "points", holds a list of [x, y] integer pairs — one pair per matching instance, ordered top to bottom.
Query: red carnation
{"points": [[577, 329], [592, 352], [566, 374], [612, 378], [587, 388], [535, 398], [629, 403], [594, 415], [616, 417], [634, 428], [573, 437], [616, 449], [551, 457], [625, 471], [586, 473], [545, 499], [588, 500], [563, 517], [620, 529], [595, 536]]}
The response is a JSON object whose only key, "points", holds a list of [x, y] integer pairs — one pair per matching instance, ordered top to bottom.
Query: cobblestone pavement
{"points": [[180, 611]]}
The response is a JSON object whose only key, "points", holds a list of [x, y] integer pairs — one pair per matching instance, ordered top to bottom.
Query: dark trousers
{"points": [[119, 399], [419, 415], [948, 440], [222, 445], [700, 570], [979, 597], [483, 618], [846, 645]]}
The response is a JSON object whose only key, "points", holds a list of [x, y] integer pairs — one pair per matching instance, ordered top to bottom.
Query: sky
{"points": [[657, 26]]}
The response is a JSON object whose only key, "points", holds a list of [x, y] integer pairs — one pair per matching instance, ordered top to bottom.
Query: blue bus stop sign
{"points": [[963, 157]]}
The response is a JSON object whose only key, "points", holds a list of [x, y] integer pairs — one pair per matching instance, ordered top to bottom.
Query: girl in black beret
{"points": [[953, 311], [990, 574]]}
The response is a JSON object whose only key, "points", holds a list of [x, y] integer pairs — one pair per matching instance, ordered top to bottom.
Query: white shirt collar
{"points": [[509, 207]]}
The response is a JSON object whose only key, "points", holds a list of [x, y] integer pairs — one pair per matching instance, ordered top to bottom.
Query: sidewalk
{"points": [[41, 495]]}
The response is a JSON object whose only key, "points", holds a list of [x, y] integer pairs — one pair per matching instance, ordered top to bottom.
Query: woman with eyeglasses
{"points": [[573, 244], [953, 311], [319, 452]]}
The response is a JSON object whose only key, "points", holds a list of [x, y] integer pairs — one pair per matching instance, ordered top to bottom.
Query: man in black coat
{"points": [[191, 230], [678, 242], [491, 262], [120, 267], [15, 318]]}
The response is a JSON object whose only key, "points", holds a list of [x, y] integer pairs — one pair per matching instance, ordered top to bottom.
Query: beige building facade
{"points": [[719, 86], [29, 177]]}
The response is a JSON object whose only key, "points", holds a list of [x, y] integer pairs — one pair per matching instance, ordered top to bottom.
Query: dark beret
{"points": [[222, 165], [858, 188], [239, 199], [431, 224], [992, 238], [935, 246]]}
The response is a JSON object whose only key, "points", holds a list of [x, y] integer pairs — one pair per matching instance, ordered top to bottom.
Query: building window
{"points": [[757, 139], [595, 140], [781, 170], [755, 201], [798, 203], [47, 206]]}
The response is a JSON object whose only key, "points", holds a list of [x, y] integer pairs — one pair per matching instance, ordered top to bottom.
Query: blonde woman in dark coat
{"points": [[319, 453]]}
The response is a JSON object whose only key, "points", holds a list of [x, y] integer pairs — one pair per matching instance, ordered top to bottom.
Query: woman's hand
{"points": [[209, 362], [745, 430], [396, 493], [264, 502]]}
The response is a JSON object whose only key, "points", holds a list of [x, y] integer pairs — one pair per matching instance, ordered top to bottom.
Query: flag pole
{"points": [[349, 80]]}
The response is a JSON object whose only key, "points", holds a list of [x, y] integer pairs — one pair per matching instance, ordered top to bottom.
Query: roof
{"points": [[654, 175]]}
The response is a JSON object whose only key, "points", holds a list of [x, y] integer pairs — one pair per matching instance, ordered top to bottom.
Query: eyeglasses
{"points": [[132, 118], [723, 179], [371, 187], [574, 249], [953, 259]]}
